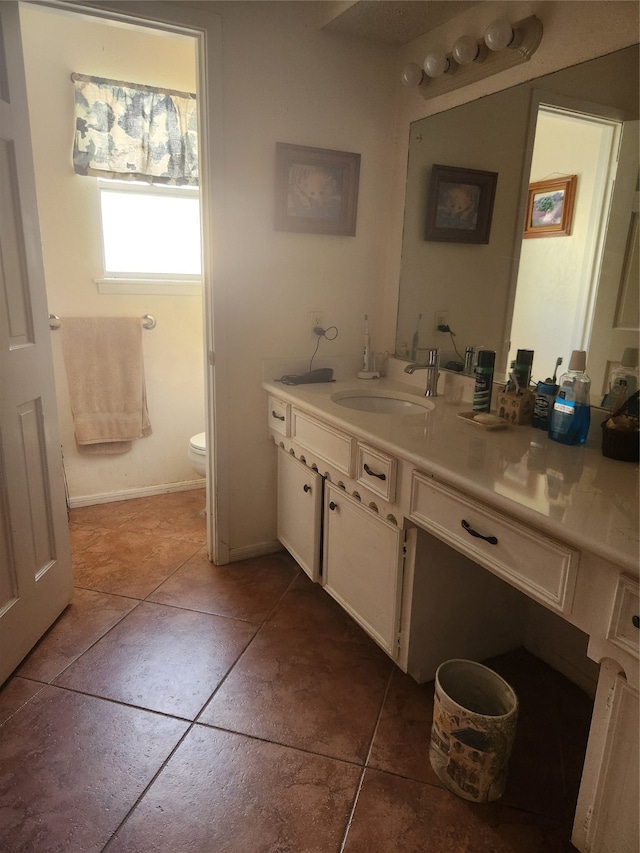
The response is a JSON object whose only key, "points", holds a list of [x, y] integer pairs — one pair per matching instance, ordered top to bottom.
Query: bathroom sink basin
{"points": [[383, 402]]}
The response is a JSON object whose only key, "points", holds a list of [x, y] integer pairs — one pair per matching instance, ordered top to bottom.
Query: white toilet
{"points": [[198, 453]]}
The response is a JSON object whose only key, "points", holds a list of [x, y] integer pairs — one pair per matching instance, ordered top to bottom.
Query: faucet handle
{"points": [[433, 356]]}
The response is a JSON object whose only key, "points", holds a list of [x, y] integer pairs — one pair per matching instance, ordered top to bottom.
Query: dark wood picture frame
{"points": [[316, 190], [460, 205], [550, 207]]}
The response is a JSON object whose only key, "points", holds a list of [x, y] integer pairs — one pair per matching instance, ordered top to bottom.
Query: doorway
{"points": [[559, 274], [177, 372]]}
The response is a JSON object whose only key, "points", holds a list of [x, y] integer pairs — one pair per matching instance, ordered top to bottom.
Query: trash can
{"points": [[474, 724]]}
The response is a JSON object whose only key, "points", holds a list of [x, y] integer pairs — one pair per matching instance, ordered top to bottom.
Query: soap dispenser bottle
{"points": [[571, 413]]}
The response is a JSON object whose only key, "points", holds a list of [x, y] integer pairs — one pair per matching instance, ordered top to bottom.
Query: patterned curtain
{"points": [[129, 131]]}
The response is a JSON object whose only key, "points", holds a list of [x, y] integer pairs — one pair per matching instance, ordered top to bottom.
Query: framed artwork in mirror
{"points": [[316, 190], [460, 205], [550, 207]]}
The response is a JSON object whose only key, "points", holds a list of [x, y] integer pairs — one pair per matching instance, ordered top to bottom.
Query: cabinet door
{"points": [[300, 512], [362, 566], [609, 801]]}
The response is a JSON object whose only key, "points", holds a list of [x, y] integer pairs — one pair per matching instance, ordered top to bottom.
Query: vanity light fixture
{"points": [[503, 46], [465, 50], [436, 63], [412, 74]]}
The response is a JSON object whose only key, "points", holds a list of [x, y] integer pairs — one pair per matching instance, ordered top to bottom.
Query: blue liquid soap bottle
{"points": [[571, 413]]}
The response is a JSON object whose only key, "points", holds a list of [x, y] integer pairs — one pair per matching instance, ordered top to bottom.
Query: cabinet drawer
{"points": [[279, 417], [332, 445], [377, 472], [542, 568], [624, 628]]}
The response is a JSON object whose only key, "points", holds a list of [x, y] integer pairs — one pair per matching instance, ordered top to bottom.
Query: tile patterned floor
{"points": [[179, 706]]}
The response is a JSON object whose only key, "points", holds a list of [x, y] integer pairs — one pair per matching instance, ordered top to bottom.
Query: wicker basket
{"points": [[620, 444]]}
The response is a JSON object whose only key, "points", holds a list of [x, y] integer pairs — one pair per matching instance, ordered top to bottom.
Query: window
{"points": [[150, 235]]}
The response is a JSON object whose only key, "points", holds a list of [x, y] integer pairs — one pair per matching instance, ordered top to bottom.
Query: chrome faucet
{"points": [[432, 365]]}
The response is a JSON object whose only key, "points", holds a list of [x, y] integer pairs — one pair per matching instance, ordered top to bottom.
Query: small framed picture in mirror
{"points": [[316, 190], [460, 205], [550, 207]]}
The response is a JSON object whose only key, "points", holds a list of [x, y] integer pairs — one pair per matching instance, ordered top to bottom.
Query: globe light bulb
{"points": [[498, 35], [465, 50], [436, 63], [412, 74]]}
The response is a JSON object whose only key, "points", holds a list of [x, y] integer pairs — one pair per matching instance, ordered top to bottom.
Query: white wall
{"points": [[56, 44], [285, 80]]}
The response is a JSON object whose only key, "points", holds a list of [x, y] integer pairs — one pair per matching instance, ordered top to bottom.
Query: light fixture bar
{"points": [[526, 40]]}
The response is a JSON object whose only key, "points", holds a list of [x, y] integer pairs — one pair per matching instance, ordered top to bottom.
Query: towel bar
{"points": [[148, 321]]}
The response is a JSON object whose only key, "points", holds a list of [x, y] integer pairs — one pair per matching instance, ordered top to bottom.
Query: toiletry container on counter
{"points": [[484, 381], [624, 381], [571, 413]]}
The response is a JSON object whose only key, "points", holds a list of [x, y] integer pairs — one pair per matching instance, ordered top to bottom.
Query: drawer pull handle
{"points": [[276, 416], [373, 473], [307, 487], [333, 505], [490, 539], [636, 620]]}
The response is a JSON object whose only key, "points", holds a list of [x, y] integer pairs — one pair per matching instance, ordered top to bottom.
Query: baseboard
{"points": [[144, 492], [260, 549]]}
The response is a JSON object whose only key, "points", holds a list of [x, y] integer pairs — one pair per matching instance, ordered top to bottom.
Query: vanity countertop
{"points": [[571, 493]]}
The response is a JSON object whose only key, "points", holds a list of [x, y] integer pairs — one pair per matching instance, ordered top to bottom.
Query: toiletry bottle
{"points": [[366, 353], [469, 355], [524, 363], [624, 380], [484, 381], [545, 398], [571, 414]]}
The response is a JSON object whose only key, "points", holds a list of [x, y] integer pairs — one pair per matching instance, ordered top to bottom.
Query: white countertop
{"points": [[571, 493]]}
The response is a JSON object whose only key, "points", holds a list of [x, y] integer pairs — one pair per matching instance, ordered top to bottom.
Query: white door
{"points": [[615, 320], [35, 560]]}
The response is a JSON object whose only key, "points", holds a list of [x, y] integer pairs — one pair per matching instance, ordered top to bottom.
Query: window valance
{"points": [[132, 131]]}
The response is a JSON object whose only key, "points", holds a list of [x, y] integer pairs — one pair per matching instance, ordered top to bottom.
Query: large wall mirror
{"points": [[559, 291]]}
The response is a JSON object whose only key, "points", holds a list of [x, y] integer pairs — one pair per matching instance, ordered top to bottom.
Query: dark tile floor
{"points": [[179, 706]]}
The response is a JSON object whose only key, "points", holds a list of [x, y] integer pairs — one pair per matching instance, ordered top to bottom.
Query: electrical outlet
{"points": [[316, 320], [440, 320]]}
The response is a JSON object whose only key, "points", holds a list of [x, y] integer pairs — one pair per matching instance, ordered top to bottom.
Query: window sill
{"points": [[175, 287]]}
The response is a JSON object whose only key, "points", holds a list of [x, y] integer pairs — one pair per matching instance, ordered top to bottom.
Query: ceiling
{"points": [[393, 22]]}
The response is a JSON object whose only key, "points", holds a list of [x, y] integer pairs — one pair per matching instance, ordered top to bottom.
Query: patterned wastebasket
{"points": [[474, 724]]}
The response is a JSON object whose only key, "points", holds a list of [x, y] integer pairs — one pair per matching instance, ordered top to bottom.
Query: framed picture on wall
{"points": [[316, 190], [460, 205], [550, 207]]}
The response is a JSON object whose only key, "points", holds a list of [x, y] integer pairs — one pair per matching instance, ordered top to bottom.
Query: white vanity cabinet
{"points": [[300, 512], [439, 540], [361, 558], [362, 566], [609, 800], [608, 808]]}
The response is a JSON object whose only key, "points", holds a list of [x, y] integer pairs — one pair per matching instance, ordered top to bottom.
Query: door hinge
{"points": [[211, 357]]}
